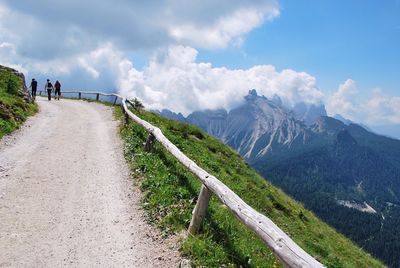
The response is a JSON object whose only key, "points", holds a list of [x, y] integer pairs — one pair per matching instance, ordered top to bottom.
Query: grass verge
{"points": [[13, 109], [170, 193]]}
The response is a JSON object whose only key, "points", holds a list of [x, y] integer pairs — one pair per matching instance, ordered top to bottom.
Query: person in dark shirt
{"points": [[33, 86], [49, 87], [57, 92]]}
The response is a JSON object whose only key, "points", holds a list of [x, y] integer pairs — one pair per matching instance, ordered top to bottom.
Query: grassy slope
{"points": [[13, 109], [171, 192]]}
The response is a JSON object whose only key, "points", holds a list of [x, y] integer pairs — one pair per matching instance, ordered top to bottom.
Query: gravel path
{"points": [[66, 198]]}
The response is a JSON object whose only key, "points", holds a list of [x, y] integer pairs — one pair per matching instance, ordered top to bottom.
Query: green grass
{"points": [[13, 109], [170, 193]]}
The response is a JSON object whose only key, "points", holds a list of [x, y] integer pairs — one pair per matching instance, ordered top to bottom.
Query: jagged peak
{"points": [[253, 92], [253, 95]]}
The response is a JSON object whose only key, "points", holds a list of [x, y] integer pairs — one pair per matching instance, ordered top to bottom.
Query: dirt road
{"points": [[66, 198]]}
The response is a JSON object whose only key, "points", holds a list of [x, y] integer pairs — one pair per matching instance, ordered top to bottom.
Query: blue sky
{"points": [[332, 40], [208, 54]]}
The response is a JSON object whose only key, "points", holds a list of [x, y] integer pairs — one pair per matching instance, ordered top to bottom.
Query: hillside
{"points": [[14, 107], [347, 175], [171, 192]]}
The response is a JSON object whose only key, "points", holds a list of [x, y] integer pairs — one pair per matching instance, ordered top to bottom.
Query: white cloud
{"points": [[45, 29], [226, 29], [88, 40], [174, 80], [342, 101], [378, 109], [383, 109]]}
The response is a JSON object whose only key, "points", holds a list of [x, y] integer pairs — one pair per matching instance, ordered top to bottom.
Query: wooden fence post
{"points": [[80, 95], [97, 96], [115, 101], [126, 118], [149, 143], [200, 210]]}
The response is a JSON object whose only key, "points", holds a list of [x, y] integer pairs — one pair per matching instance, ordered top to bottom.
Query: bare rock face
{"points": [[24, 90], [258, 128]]}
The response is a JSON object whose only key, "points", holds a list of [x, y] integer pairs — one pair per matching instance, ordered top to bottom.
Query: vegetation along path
{"points": [[66, 197]]}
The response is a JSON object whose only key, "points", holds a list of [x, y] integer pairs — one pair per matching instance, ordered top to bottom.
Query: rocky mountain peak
{"points": [[253, 96]]}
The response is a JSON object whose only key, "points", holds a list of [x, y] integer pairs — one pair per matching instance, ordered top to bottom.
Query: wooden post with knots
{"points": [[126, 116], [126, 119], [149, 142], [200, 210]]}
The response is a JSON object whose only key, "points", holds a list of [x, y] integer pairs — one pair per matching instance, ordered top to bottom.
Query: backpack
{"points": [[49, 85]]}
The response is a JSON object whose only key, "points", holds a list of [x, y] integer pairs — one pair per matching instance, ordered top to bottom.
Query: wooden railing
{"points": [[82, 93], [281, 244]]}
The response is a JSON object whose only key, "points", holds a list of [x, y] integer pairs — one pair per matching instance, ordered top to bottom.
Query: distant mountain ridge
{"points": [[260, 127], [347, 175]]}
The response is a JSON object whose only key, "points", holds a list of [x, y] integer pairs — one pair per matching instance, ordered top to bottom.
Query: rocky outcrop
{"points": [[23, 90]]}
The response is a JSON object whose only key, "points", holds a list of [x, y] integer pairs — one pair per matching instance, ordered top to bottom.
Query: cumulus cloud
{"points": [[44, 29], [225, 29], [83, 40], [174, 80], [342, 101], [378, 109], [383, 109]]}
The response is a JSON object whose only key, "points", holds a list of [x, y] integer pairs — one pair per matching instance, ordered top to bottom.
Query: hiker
{"points": [[49, 87], [57, 87], [34, 88]]}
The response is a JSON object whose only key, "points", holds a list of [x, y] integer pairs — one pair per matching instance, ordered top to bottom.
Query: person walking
{"points": [[33, 86], [49, 87], [57, 92]]}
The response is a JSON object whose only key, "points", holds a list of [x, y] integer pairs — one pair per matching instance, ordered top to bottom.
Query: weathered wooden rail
{"points": [[97, 94], [281, 244]]}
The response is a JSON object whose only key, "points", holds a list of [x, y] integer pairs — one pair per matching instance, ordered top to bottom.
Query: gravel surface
{"points": [[66, 198]]}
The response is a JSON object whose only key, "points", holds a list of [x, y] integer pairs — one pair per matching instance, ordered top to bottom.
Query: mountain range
{"points": [[347, 175]]}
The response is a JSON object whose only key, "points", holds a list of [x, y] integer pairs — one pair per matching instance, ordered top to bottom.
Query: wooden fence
{"points": [[281, 244]]}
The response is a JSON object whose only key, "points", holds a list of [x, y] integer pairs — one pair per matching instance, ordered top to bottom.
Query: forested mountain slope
{"points": [[352, 181]]}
